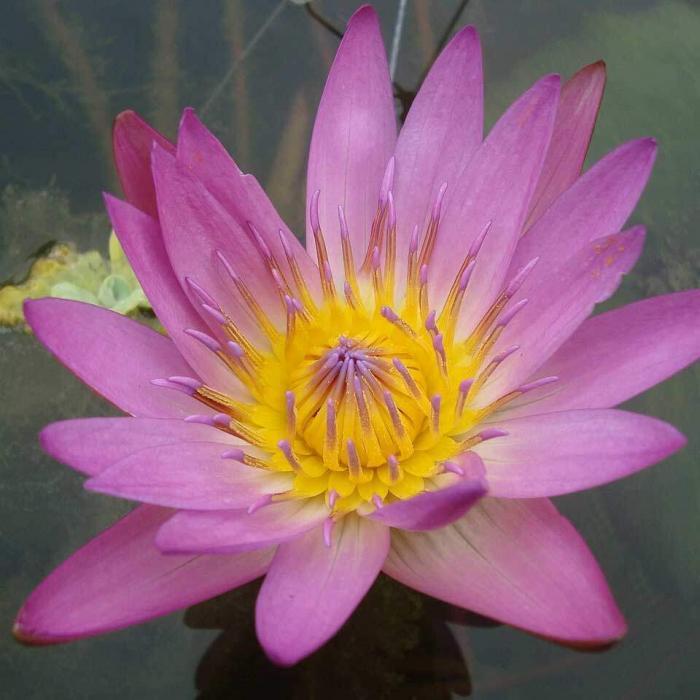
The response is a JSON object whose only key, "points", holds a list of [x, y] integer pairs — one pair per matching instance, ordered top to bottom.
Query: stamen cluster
{"points": [[367, 394]]}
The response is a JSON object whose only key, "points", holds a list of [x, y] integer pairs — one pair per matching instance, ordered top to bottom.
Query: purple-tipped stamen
{"points": [[387, 182], [313, 212], [478, 241], [227, 265], [520, 277], [200, 292], [215, 314], [510, 314], [203, 338], [235, 349], [537, 384], [435, 403], [198, 418], [286, 449], [235, 453], [393, 465], [453, 468], [333, 497], [328, 531]]}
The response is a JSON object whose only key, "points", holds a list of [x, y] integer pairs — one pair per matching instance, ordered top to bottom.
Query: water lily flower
{"points": [[402, 396]]}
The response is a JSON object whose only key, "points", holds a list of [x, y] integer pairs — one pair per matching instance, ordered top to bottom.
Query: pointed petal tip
{"points": [[364, 13], [466, 36], [600, 67], [597, 69], [551, 81], [127, 114], [189, 114], [124, 120], [641, 148], [44, 438], [676, 441], [93, 484], [27, 635], [22, 636], [605, 639], [281, 658]]}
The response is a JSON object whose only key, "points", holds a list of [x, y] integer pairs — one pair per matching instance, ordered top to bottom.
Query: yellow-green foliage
{"points": [[66, 273]]}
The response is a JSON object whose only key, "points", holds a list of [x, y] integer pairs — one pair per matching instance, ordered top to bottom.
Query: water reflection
{"points": [[397, 644]]}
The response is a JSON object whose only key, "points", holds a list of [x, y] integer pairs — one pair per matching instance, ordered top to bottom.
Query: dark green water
{"points": [[66, 68]]}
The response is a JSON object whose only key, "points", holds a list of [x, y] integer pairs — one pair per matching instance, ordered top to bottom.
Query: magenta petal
{"points": [[576, 115], [443, 129], [353, 138], [132, 140], [496, 187], [241, 195], [596, 205], [195, 227], [140, 236], [559, 300], [99, 346], [619, 354], [90, 445], [568, 451], [189, 475], [434, 509], [232, 531], [519, 562], [120, 578], [311, 589]]}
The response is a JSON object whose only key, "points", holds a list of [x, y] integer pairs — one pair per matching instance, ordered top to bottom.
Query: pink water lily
{"points": [[402, 396]]}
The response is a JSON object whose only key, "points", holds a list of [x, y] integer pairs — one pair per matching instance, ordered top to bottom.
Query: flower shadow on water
{"points": [[397, 644]]}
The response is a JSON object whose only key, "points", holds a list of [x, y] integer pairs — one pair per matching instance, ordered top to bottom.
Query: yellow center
{"points": [[367, 394], [356, 404]]}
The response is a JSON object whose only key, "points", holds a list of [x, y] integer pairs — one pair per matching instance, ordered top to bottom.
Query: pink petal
{"points": [[443, 129], [573, 129], [353, 138], [132, 141], [496, 187], [241, 195], [599, 203], [196, 226], [140, 236], [559, 300], [619, 354], [114, 355], [90, 445], [558, 453], [187, 475], [434, 509], [232, 531], [519, 562], [120, 578], [312, 589]]}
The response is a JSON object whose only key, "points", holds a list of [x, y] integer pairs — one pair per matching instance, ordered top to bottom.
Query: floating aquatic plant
{"points": [[65, 273], [404, 395]]}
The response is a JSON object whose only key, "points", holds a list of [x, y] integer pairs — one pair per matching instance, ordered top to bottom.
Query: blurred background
{"points": [[254, 69]]}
